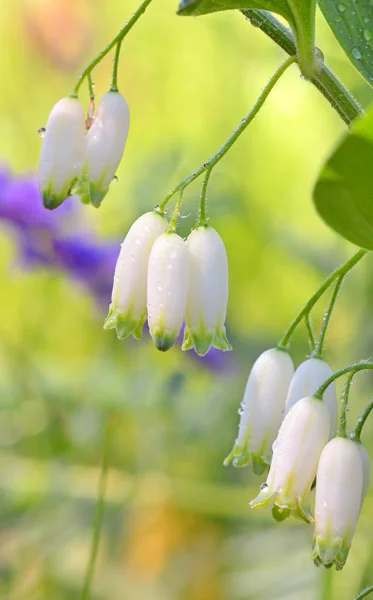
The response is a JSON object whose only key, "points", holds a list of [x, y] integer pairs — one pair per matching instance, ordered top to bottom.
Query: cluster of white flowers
{"points": [[75, 161], [167, 280], [284, 426]]}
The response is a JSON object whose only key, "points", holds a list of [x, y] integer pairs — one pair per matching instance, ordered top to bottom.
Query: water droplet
{"points": [[341, 7], [338, 19], [367, 35], [356, 53], [319, 55], [42, 131], [115, 179], [156, 207], [240, 411], [263, 487]]}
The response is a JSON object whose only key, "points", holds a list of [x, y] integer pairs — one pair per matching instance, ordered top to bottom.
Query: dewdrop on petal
{"points": [[105, 142], [62, 151], [168, 274], [208, 292], [127, 311], [306, 380], [262, 410], [302, 436], [339, 488]]}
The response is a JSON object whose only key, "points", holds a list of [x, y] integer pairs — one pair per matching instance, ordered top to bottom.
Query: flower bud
{"points": [[105, 142], [62, 151], [168, 274], [208, 292], [127, 311], [306, 380], [262, 410], [302, 436], [339, 487]]}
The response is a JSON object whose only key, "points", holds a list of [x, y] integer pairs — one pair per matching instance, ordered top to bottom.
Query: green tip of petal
{"points": [[96, 195], [52, 201], [123, 325], [204, 339], [163, 341], [221, 341], [239, 457], [260, 465], [280, 514], [329, 553]]}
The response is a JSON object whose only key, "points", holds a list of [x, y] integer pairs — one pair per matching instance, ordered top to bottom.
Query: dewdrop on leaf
{"points": [[104, 147], [62, 151], [168, 274], [208, 292], [127, 312], [262, 410], [302, 436]]}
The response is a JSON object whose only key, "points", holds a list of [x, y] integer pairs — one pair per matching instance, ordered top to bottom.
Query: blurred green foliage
{"points": [[177, 524]]}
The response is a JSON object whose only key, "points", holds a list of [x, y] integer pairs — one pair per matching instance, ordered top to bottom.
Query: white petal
{"points": [[105, 142], [62, 151], [168, 274], [128, 308], [307, 379], [264, 399], [302, 436], [366, 469], [338, 490]]}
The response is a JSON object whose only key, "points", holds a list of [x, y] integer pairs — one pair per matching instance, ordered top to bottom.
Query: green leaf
{"points": [[300, 15], [352, 24], [343, 194]]}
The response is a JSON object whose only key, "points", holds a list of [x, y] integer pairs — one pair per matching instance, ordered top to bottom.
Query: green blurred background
{"points": [[177, 524]]}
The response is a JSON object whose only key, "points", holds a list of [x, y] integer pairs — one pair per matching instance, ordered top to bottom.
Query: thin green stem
{"points": [[118, 38], [114, 80], [325, 81], [90, 87], [235, 135], [175, 215], [202, 220], [341, 271], [328, 314], [311, 337], [361, 366], [342, 428], [356, 434], [100, 507], [365, 593]]}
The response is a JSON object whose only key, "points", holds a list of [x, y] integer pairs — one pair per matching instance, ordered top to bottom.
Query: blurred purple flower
{"points": [[42, 239]]}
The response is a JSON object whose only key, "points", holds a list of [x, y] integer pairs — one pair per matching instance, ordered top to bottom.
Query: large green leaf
{"points": [[300, 15], [352, 24], [343, 193]]}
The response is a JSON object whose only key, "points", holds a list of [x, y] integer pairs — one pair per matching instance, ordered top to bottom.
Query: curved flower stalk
{"points": [[104, 147], [62, 151], [167, 289], [208, 292], [127, 312], [306, 380], [262, 410], [302, 436], [339, 493]]}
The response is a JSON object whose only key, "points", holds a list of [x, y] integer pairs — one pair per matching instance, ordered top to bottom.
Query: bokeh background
{"points": [[177, 524]]}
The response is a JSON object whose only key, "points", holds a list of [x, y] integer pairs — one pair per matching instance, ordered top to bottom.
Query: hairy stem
{"points": [[325, 81], [208, 166], [327, 316], [361, 366], [361, 421], [365, 593]]}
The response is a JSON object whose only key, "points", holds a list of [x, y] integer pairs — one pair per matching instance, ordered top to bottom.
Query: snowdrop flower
{"points": [[105, 142], [62, 151], [168, 274], [208, 292], [127, 311], [306, 380], [262, 410], [302, 436], [339, 488]]}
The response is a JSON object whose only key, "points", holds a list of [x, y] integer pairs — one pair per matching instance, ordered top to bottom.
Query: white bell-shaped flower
{"points": [[105, 142], [62, 151], [168, 276], [208, 292], [127, 311], [306, 380], [262, 410], [302, 436], [366, 468], [339, 488]]}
